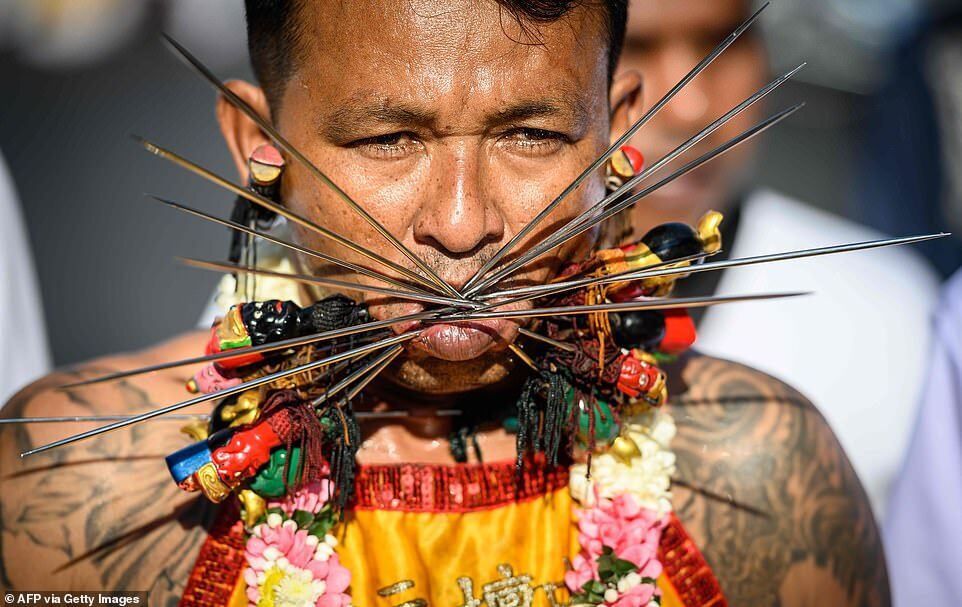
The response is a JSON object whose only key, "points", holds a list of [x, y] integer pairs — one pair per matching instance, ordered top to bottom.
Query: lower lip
{"points": [[464, 341]]}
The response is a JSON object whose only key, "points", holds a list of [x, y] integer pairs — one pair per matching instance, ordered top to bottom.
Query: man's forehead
{"points": [[406, 52]]}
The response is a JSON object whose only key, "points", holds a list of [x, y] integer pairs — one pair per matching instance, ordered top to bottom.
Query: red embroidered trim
{"points": [[461, 488], [219, 562], [687, 569]]}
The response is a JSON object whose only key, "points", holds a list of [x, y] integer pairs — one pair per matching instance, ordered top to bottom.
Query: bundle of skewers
{"points": [[285, 377]]}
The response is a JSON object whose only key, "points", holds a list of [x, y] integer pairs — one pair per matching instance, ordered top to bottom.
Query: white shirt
{"points": [[23, 339], [857, 347]]}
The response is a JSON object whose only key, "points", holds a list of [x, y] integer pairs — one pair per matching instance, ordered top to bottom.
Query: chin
{"points": [[422, 373]]}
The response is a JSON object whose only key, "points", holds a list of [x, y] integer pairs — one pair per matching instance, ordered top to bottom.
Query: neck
{"points": [[422, 434]]}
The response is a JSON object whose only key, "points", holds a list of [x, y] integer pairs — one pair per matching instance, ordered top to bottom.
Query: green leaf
{"points": [[303, 518], [324, 521]]}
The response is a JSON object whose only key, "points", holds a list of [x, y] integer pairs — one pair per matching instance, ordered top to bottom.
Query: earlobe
{"points": [[626, 101], [240, 133]]}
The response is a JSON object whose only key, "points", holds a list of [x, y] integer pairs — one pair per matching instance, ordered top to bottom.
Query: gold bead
{"points": [[624, 449]]}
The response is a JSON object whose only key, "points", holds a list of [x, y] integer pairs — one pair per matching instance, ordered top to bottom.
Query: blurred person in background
{"points": [[857, 347], [23, 356], [923, 528]]}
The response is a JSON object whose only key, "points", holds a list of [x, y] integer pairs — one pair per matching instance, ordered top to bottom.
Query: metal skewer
{"points": [[704, 63], [283, 143], [630, 184], [279, 209], [560, 239], [289, 245], [330, 282], [551, 289], [627, 306], [548, 340], [284, 344], [353, 353], [357, 374], [353, 392], [173, 417]]}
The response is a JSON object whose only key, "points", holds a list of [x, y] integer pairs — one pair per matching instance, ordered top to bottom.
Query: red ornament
{"points": [[635, 157], [679, 332], [637, 377], [245, 453]]}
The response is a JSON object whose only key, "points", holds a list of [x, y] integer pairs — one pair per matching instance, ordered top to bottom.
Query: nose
{"points": [[690, 106], [458, 214]]}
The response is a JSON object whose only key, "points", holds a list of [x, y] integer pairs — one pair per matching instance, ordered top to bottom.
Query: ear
{"points": [[626, 101], [239, 131]]}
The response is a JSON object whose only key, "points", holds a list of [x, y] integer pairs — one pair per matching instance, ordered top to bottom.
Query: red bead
{"points": [[634, 156], [679, 332]]}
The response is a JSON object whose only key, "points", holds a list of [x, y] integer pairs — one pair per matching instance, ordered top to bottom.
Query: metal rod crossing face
{"points": [[283, 143], [594, 166], [283, 211], [233, 225], [557, 240], [260, 381]]}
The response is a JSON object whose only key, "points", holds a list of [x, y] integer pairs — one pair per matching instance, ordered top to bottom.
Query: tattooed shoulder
{"points": [[768, 494], [100, 513]]}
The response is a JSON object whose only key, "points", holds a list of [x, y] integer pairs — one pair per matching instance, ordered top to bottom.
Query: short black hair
{"points": [[273, 35]]}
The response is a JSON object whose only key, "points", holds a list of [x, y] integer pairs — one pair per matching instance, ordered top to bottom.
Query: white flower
{"points": [[647, 476], [611, 595]]}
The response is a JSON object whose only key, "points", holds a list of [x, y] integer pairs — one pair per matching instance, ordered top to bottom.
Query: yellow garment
{"points": [[533, 537], [383, 547]]}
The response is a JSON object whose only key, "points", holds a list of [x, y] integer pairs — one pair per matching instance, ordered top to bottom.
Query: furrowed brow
{"points": [[568, 108], [343, 122]]}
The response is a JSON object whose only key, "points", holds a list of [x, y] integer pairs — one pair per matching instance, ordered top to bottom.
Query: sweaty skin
{"points": [[453, 127]]}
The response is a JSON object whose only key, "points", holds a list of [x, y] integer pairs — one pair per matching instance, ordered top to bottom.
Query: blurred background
{"points": [[880, 141]]}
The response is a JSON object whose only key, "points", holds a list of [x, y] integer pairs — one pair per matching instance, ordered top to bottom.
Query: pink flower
{"points": [[311, 497], [632, 533], [288, 567], [637, 596]]}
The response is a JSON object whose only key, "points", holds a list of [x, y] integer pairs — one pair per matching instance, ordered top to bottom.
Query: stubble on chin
{"points": [[421, 373]]}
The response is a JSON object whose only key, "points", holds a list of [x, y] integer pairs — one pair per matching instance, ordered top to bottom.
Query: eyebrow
{"points": [[342, 123]]}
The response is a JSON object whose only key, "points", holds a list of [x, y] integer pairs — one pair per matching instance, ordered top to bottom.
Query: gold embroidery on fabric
{"points": [[396, 588]]}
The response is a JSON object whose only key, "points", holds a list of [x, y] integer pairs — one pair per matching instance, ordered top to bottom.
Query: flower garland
{"points": [[623, 509], [290, 554], [291, 558]]}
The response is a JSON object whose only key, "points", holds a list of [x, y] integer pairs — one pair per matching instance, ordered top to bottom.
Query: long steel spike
{"points": [[279, 139], [692, 141], [594, 166], [257, 199], [554, 242], [288, 245], [743, 261], [659, 270], [330, 282], [544, 290], [627, 306], [548, 340], [293, 342], [353, 353], [356, 374], [353, 392], [173, 417]]}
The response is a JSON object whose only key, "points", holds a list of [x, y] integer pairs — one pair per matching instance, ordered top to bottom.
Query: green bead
{"points": [[510, 425], [606, 428], [268, 480]]}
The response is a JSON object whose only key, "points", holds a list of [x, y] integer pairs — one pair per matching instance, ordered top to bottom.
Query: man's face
{"points": [[664, 41], [453, 135]]}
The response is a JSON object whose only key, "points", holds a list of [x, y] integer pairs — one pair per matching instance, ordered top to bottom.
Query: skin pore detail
{"points": [[458, 138]]}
